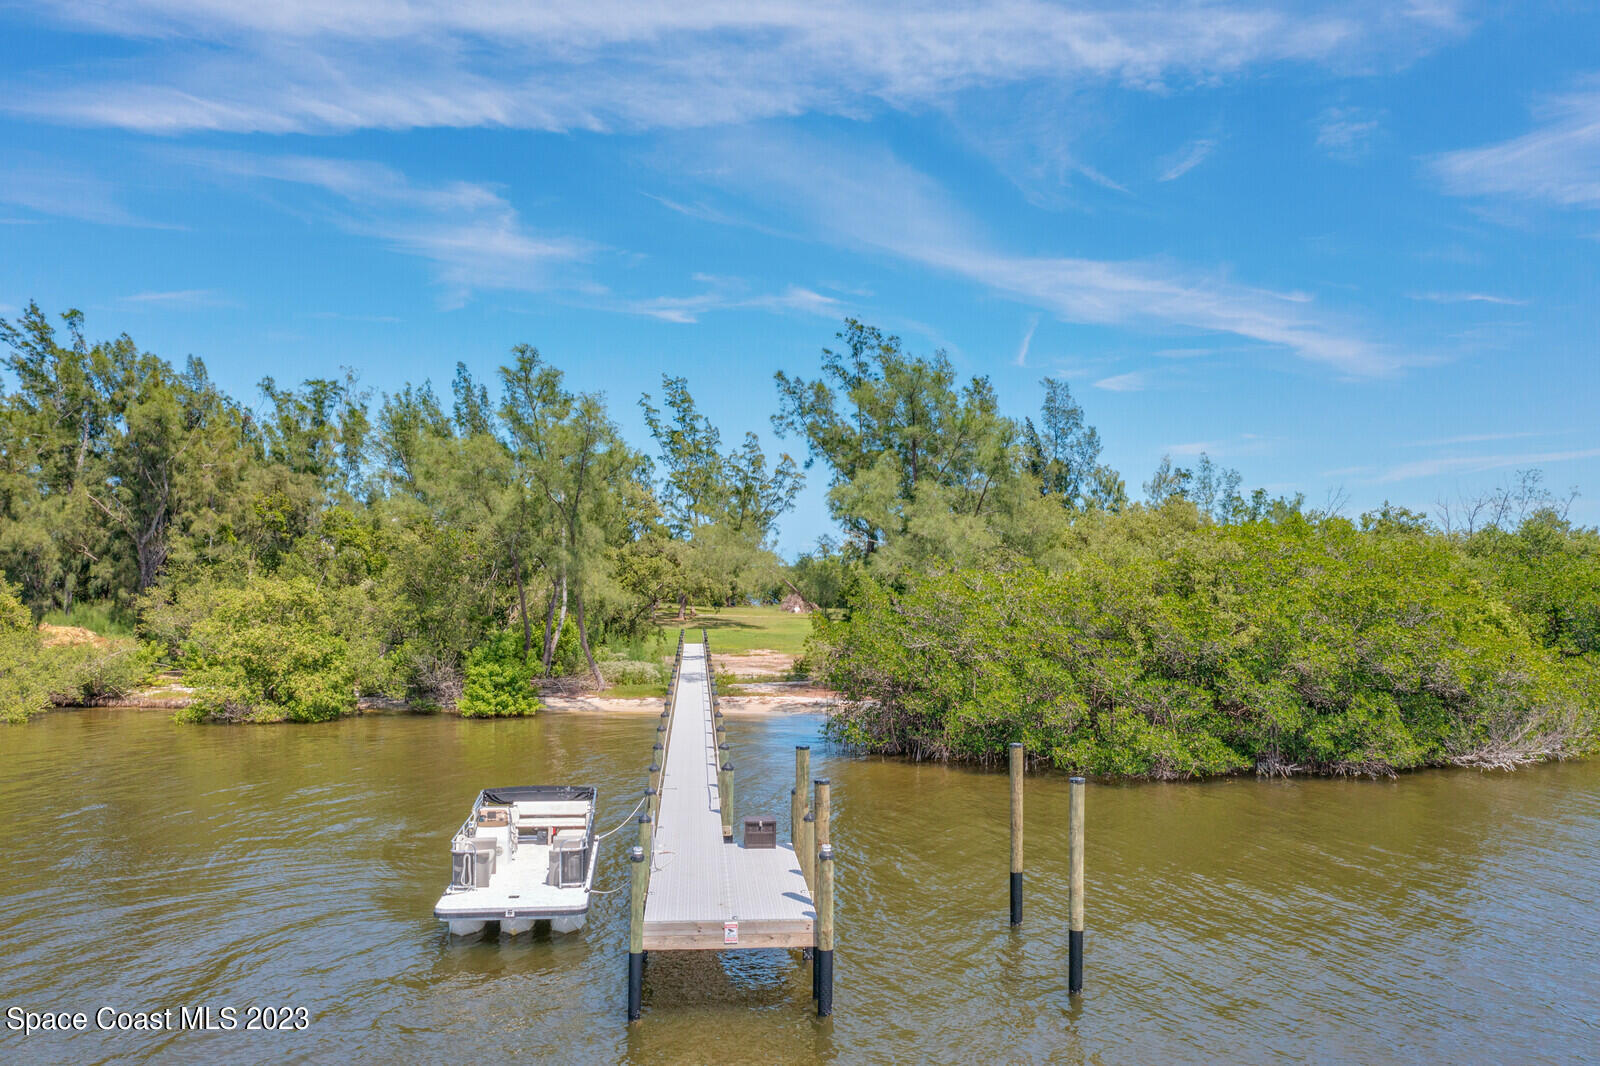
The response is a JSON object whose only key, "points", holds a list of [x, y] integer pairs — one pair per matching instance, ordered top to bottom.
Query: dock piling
{"points": [[725, 791], [797, 798], [824, 811], [1016, 834], [1075, 886], [636, 937], [822, 967]]}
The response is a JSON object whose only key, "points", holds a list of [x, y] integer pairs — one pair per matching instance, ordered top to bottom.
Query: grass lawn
{"points": [[739, 629], [636, 692]]}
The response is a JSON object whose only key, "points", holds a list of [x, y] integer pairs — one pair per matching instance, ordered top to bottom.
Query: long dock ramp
{"points": [[697, 884]]}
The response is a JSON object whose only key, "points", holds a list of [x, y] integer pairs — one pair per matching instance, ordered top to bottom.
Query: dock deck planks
{"points": [[697, 882]]}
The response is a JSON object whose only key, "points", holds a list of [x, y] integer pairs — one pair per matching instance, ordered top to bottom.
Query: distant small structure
{"points": [[795, 603]]}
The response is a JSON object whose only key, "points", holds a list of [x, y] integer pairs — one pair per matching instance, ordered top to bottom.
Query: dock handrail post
{"points": [[725, 794], [797, 799], [824, 811], [1016, 833], [807, 848], [1075, 886], [636, 937], [823, 966]]}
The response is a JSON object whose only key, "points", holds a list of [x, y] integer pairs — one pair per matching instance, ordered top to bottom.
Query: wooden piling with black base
{"points": [[1016, 834], [1075, 886], [636, 937], [822, 966]]}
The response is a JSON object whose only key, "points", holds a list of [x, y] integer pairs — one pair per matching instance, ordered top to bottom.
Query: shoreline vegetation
{"points": [[501, 549]]}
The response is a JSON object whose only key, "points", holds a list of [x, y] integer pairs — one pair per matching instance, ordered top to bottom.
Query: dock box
{"points": [[760, 831]]}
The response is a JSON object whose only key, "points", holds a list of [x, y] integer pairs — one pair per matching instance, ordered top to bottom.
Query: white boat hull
{"points": [[526, 855]]}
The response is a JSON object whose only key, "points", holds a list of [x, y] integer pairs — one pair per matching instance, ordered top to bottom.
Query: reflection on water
{"points": [[1441, 916]]}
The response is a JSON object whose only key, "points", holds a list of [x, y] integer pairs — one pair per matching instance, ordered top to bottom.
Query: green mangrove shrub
{"points": [[1277, 647], [266, 651], [25, 680], [499, 680]]}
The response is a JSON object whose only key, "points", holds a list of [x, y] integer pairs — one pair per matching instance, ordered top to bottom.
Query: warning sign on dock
{"points": [[730, 932]]}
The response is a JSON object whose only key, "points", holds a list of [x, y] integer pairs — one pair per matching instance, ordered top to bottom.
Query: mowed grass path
{"points": [[734, 630]]}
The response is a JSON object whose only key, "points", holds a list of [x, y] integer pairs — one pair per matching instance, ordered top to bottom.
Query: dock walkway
{"points": [[704, 893]]}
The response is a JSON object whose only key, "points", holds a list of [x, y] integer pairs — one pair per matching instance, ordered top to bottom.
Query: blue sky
{"points": [[1349, 248]]}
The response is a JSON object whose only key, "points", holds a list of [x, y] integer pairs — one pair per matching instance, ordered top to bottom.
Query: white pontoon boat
{"points": [[526, 854]]}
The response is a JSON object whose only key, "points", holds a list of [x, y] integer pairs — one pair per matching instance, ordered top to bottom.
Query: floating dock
{"points": [[697, 885], [706, 892]]}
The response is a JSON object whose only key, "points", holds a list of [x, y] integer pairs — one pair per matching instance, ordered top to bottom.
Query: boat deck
{"points": [[699, 884]]}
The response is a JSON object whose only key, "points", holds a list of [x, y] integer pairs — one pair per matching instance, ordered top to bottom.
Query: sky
{"points": [[1352, 249]]}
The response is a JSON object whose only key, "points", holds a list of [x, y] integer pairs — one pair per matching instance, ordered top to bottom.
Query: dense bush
{"points": [[1549, 573], [1170, 648], [265, 652], [632, 672], [93, 673], [499, 680], [24, 684]]}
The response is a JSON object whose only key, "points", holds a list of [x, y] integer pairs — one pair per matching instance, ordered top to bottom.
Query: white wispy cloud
{"points": [[309, 66], [1347, 133], [1190, 156], [1557, 162], [51, 189], [863, 196], [468, 230], [728, 294], [1464, 298], [178, 299], [1027, 341], [1133, 381], [1470, 438], [1243, 444], [1474, 464]]}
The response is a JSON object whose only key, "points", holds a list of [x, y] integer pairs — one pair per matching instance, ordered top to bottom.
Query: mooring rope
{"points": [[625, 821]]}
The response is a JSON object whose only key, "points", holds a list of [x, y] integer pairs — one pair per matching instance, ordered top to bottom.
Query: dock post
{"points": [[656, 760], [725, 795], [797, 799], [824, 811], [646, 829], [1016, 834], [806, 848], [1075, 886], [636, 938], [822, 968]]}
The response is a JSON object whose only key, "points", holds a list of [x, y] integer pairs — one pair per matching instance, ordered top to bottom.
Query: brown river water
{"points": [[1444, 916]]}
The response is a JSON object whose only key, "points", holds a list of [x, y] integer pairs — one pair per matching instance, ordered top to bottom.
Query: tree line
{"points": [[992, 579]]}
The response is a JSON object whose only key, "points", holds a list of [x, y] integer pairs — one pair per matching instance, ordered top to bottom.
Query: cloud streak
{"points": [[308, 66], [1193, 154], [1557, 163], [866, 198], [470, 233], [1465, 298], [1134, 381], [1461, 464]]}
